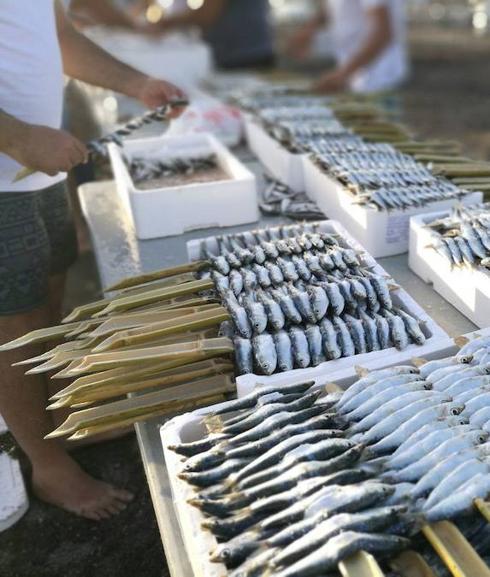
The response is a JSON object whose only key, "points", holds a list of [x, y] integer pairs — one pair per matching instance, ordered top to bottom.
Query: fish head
{"points": [[464, 359], [451, 409]]}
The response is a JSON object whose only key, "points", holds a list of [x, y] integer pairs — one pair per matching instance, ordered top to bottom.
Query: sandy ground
{"points": [[449, 96]]}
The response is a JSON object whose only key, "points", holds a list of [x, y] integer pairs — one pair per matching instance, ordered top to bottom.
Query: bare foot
{"points": [[69, 487]]}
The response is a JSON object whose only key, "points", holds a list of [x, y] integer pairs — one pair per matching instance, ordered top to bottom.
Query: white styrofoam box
{"points": [[181, 59], [283, 165], [177, 209], [382, 233], [466, 289], [433, 332], [188, 427], [13, 496]]}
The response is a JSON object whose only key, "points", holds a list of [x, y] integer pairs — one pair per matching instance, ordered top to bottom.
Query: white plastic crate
{"points": [[283, 165], [177, 209], [382, 233], [466, 289], [433, 332], [188, 427], [13, 497]]}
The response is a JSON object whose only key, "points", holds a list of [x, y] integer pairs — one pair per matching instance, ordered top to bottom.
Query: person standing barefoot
{"points": [[38, 45]]}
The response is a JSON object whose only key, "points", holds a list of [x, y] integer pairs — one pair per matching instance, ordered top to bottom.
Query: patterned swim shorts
{"points": [[37, 240]]}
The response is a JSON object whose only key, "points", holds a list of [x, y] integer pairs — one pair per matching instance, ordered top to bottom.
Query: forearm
{"points": [[102, 12], [378, 39], [84, 60], [12, 131]]}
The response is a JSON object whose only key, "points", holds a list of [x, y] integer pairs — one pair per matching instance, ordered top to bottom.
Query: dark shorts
{"points": [[37, 240]]}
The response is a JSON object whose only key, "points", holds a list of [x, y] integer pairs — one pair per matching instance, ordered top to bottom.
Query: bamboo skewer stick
{"points": [[159, 275], [152, 296], [134, 320], [139, 335], [193, 351], [187, 374], [117, 411], [145, 416], [484, 508], [455, 551], [361, 564], [411, 564]]}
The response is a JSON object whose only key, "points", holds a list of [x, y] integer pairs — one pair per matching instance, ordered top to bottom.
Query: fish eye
{"points": [[465, 359], [455, 411], [482, 438]]}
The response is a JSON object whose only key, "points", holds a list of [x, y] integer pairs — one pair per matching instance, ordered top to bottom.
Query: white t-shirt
{"points": [[349, 27], [31, 77]]}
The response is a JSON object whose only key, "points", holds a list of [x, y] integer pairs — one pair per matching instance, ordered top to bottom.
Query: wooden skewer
{"points": [[159, 275], [172, 400], [484, 508], [455, 551], [361, 564], [411, 564]]}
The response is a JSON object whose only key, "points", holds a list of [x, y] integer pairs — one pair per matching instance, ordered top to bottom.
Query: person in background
{"points": [[238, 31], [369, 44], [37, 238]]}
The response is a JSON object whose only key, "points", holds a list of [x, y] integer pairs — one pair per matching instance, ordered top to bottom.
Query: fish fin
{"points": [[393, 287], [462, 341], [418, 361], [361, 371], [332, 388], [213, 424]]}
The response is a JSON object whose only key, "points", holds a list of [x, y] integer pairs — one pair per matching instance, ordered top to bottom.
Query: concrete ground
{"points": [[448, 96]]}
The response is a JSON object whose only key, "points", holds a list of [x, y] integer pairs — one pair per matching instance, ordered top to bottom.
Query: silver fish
{"points": [[344, 338], [315, 344], [331, 347], [284, 350], [264, 353], [301, 353], [243, 355], [461, 501]]}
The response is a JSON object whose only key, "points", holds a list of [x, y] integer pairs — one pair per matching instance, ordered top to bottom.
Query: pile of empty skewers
{"points": [[272, 300]]}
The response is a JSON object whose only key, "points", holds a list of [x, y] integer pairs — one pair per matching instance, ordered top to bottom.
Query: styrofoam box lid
{"points": [[188, 427]]}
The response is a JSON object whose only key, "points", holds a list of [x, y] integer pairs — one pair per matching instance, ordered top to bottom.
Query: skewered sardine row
{"points": [[298, 298], [291, 481]]}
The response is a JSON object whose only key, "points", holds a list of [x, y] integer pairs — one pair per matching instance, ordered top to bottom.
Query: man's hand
{"points": [[331, 82], [153, 93], [47, 150]]}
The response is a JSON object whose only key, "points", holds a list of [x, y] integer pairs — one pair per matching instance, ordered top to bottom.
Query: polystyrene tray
{"points": [[283, 165], [177, 209], [382, 233], [466, 289], [401, 298], [188, 427], [13, 497]]}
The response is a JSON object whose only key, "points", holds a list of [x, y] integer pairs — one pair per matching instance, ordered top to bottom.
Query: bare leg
{"points": [[56, 291], [57, 478]]}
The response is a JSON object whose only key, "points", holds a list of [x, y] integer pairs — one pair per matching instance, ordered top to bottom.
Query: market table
{"points": [[120, 254]]}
